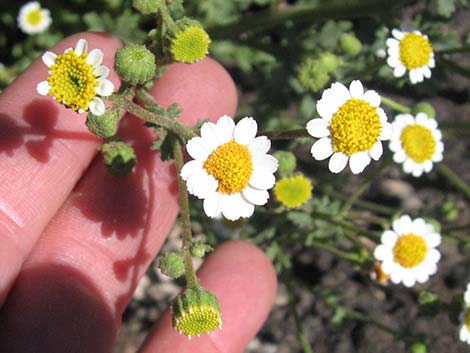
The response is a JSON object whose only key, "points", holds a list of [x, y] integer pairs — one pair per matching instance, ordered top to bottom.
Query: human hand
{"points": [[75, 240]]}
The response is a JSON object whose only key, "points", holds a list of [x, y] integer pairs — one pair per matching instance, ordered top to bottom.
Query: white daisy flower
{"points": [[33, 19], [410, 51], [77, 79], [351, 127], [416, 142], [231, 169], [408, 251], [464, 332]]}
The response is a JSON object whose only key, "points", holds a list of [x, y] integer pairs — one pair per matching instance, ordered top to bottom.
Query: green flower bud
{"points": [[147, 6], [189, 42], [349, 44], [329, 61], [135, 64], [312, 75], [423, 107], [104, 125], [119, 158], [287, 162], [450, 211], [199, 249], [171, 265], [429, 304], [196, 311], [418, 347]]}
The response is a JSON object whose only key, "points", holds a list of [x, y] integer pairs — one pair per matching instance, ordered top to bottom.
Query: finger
{"points": [[44, 149], [88, 261], [243, 279]]}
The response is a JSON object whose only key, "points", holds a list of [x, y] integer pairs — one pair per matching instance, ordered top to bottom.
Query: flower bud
{"points": [[147, 6], [189, 42], [350, 45], [329, 61], [135, 64], [312, 75], [423, 107], [104, 125], [119, 158], [287, 162], [199, 249], [171, 264], [196, 311], [418, 347]]}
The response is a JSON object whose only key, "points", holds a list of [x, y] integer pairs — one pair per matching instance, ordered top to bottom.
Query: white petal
{"points": [[397, 34], [392, 42], [81, 47], [49, 58], [95, 58], [393, 60], [101, 71], [399, 71], [426, 72], [413, 77], [43, 88], [104, 88], [356, 89], [341, 93], [372, 98], [96, 106], [326, 109], [225, 126], [318, 128], [245, 131], [385, 131], [209, 135], [395, 144], [260, 145], [198, 149], [322, 149], [376, 151], [399, 156], [358, 161], [265, 162], [338, 162], [409, 166], [427, 166], [191, 167], [417, 170], [261, 179], [203, 185], [255, 196], [212, 205], [231, 206], [402, 225], [418, 226], [389, 238], [433, 240], [382, 253], [397, 274], [421, 274], [408, 279]]}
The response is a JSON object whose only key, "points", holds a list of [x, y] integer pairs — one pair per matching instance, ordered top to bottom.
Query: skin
{"points": [[76, 241]]}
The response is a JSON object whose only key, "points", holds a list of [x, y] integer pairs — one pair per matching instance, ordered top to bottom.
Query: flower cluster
{"points": [[33, 19]]}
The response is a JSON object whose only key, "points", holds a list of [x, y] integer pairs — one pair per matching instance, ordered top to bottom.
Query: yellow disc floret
{"points": [[34, 17], [189, 43], [415, 50], [72, 80], [355, 127], [418, 142], [231, 164], [294, 191], [410, 250], [467, 319]]}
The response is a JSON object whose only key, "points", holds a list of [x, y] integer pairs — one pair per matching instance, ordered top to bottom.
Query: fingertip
{"points": [[204, 90]]}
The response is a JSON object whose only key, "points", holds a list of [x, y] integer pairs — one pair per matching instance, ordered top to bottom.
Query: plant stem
{"points": [[462, 49], [394, 105], [182, 131], [285, 135], [454, 179], [333, 250], [191, 278], [361, 317], [304, 343]]}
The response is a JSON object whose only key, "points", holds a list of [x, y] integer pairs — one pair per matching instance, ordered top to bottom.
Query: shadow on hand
{"points": [[56, 309]]}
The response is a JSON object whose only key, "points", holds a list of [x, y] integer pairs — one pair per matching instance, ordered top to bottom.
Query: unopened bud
{"points": [[135, 64], [119, 158]]}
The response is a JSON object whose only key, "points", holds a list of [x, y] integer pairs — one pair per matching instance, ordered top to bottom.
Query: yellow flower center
{"points": [[34, 17], [191, 45], [415, 50], [72, 80], [355, 127], [418, 142], [231, 164], [293, 192], [410, 250], [467, 319], [198, 320]]}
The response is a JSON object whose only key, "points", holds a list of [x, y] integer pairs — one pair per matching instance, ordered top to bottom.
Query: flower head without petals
{"points": [[33, 19], [410, 51], [77, 79], [351, 127], [416, 143], [231, 169], [293, 192], [408, 251], [464, 330]]}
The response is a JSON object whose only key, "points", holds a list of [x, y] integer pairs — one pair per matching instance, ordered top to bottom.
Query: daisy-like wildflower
{"points": [[33, 19], [410, 51], [77, 79], [351, 127], [416, 142], [231, 169], [293, 192], [408, 251], [464, 332]]}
